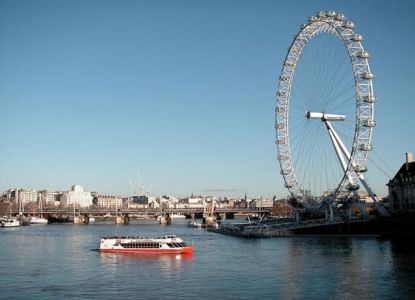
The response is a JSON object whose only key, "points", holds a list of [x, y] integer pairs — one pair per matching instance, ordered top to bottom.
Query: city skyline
{"points": [[93, 92]]}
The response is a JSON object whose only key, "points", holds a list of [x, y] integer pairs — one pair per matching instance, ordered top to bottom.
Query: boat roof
{"points": [[170, 236]]}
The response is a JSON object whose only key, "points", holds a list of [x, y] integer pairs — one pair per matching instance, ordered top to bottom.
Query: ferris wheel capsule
{"points": [[331, 13], [321, 14], [340, 17], [313, 18], [348, 25], [357, 38], [363, 54], [368, 75], [369, 99], [369, 123], [366, 147], [360, 169], [352, 187]]}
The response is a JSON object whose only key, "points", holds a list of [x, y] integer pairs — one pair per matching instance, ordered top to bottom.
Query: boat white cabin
{"points": [[166, 244]]}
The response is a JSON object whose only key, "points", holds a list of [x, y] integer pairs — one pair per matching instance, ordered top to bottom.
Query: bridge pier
{"points": [[362, 209], [296, 216], [81, 219], [122, 219], [165, 219], [209, 220]]}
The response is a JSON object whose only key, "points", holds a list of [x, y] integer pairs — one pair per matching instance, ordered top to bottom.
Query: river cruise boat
{"points": [[136, 244]]}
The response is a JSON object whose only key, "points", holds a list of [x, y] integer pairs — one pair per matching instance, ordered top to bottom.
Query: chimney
{"points": [[409, 159]]}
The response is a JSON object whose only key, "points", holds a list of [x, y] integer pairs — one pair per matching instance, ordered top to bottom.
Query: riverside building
{"points": [[402, 188], [76, 196], [107, 201]]}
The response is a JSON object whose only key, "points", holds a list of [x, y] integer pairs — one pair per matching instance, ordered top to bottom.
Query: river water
{"points": [[58, 261]]}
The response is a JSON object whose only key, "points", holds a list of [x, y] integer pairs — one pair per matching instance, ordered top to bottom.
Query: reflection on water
{"points": [[157, 260], [56, 261], [403, 265]]}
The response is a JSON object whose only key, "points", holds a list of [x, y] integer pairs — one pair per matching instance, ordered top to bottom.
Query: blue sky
{"points": [[92, 92]]}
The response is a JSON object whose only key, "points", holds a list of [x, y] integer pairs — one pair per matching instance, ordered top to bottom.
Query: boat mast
{"points": [[40, 205], [21, 206]]}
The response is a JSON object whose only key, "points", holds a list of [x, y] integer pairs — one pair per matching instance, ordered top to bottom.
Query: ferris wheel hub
{"points": [[324, 117]]}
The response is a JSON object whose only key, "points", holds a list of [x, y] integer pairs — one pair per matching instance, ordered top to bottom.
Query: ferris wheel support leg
{"points": [[339, 142], [339, 152], [379, 206], [328, 212]]}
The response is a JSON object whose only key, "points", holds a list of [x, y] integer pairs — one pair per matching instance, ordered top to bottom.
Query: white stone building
{"points": [[27, 195], [76, 196], [49, 197], [107, 201], [261, 203]]}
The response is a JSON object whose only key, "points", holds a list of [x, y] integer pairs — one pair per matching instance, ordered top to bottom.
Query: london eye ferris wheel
{"points": [[324, 116]]}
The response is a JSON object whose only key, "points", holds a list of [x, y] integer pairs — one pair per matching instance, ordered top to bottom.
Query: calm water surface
{"points": [[47, 262]]}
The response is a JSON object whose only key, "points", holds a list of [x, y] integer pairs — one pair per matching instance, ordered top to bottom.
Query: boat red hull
{"points": [[185, 250]]}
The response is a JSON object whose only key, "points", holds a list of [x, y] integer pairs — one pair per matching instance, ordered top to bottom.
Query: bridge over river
{"points": [[146, 211]]}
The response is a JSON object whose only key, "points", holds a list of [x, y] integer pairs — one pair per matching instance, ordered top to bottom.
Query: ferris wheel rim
{"points": [[337, 25]]}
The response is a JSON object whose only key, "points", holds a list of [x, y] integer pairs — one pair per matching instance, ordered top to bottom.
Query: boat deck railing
{"points": [[298, 224]]}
